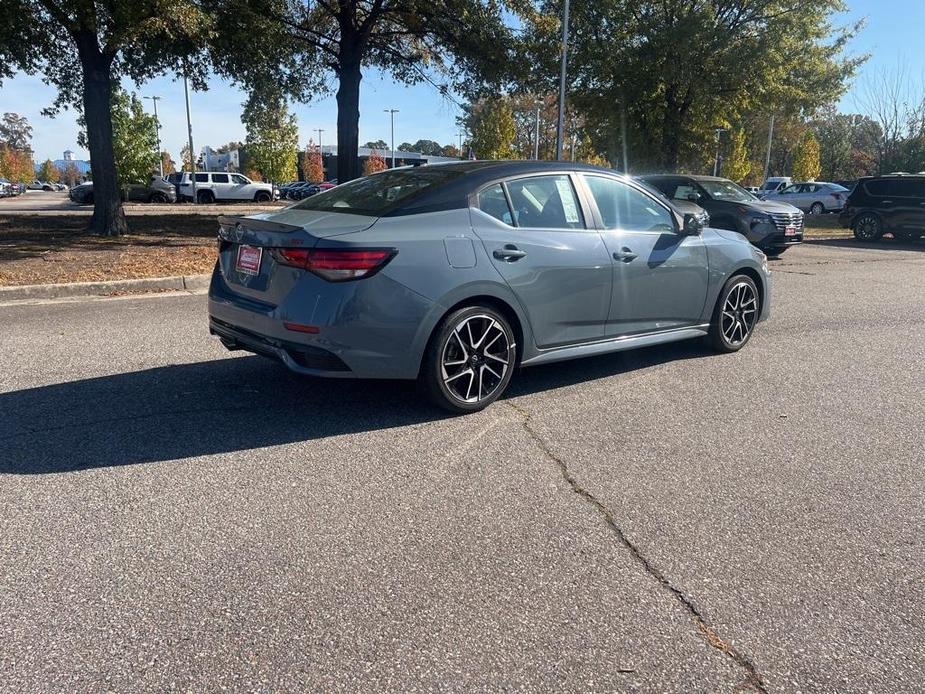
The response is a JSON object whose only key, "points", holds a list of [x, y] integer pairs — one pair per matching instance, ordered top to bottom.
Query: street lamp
{"points": [[392, 112], [189, 127], [719, 132], [157, 134], [536, 139]]}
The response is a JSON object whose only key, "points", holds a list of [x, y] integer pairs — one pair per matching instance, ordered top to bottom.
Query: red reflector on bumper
{"points": [[299, 328]]}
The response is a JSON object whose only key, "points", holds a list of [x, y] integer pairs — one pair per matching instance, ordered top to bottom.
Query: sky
{"points": [[892, 34]]}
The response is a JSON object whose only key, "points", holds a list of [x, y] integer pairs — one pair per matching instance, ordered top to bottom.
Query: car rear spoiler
{"points": [[230, 223]]}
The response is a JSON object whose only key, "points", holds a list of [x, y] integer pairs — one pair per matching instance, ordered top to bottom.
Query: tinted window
{"points": [[175, 177], [202, 178], [219, 178], [881, 188], [726, 191], [377, 194], [492, 201], [545, 202], [623, 207]]}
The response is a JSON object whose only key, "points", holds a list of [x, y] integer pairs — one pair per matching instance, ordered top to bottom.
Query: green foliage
{"points": [[678, 68], [491, 124], [15, 130], [272, 135], [134, 139], [377, 144], [847, 145], [449, 151], [737, 165], [806, 166], [49, 172]]}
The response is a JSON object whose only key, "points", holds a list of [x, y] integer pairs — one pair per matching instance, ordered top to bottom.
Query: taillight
{"points": [[336, 265]]}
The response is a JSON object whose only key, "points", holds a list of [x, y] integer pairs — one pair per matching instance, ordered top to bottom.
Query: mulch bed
{"points": [[54, 249]]}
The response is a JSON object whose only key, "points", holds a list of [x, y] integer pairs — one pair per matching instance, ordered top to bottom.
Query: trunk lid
{"points": [[246, 262]]}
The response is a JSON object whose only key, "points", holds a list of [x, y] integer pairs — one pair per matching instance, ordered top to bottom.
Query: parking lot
{"points": [[177, 517]]}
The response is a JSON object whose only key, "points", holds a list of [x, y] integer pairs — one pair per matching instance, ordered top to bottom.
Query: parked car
{"points": [[774, 184], [848, 184], [41, 185], [212, 186], [6, 188], [158, 190], [298, 191], [815, 198], [882, 204], [772, 226], [455, 274]]}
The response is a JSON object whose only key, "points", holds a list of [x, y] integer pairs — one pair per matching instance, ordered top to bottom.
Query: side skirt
{"points": [[617, 344]]}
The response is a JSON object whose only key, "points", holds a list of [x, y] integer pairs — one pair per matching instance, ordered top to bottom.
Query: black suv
{"points": [[881, 204], [771, 226]]}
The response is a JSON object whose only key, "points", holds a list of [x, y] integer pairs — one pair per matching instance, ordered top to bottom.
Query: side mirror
{"points": [[693, 197], [693, 225]]}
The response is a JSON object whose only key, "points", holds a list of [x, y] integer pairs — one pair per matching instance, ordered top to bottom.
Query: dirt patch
{"points": [[49, 250]]}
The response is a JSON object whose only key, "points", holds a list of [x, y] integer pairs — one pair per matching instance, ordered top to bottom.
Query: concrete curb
{"points": [[187, 283]]}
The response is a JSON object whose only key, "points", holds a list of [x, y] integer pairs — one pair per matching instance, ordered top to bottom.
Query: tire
{"points": [[262, 196], [205, 197], [159, 198], [817, 208], [867, 227], [735, 315], [469, 360]]}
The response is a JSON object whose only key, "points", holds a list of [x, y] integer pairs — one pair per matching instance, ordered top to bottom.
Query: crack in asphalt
{"points": [[753, 679]]}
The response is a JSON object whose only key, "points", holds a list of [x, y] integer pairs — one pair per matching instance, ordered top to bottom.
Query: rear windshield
{"points": [[379, 193]]}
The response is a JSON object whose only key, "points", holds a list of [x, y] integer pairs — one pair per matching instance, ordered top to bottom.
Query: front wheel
{"points": [[262, 196], [868, 227], [735, 315], [470, 360]]}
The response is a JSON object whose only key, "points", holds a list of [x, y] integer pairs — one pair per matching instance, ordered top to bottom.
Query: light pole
{"points": [[392, 112], [561, 124], [189, 126], [460, 133], [719, 133], [157, 134], [536, 138], [767, 159]]}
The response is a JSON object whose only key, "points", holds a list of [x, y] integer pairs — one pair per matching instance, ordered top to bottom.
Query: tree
{"points": [[413, 40], [84, 48], [677, 68], [491, 122], [15, 130], [272, 135], [134, 139], [377, 144], [406, 147], [426, 147], [449, 151], [186, 160], [167, 163], [312, 163], [374, 163], [16, 164], [737, 166], [806, 166], [48, 172], [69, 174]]}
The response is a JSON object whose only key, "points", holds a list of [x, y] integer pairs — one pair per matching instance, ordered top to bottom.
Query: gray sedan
{"points": [[815, 198], [456, 274]]}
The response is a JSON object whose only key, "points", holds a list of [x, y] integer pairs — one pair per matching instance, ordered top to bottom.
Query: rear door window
{"points": [[202, 178], [219, 178], [882, 188], [493, 202], [545, 202]]}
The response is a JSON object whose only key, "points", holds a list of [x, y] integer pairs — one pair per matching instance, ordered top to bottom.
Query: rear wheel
{"points": [[262, 196], [205, 197], [817, 208], [868, 227], [735, 315], [470, 360]]}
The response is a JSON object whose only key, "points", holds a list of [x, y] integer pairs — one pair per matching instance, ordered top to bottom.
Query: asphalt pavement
{"points": [[56, 203], [177, 517]]}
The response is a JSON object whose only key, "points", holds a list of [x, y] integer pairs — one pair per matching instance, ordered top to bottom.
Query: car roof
{"points": [[693, 177]]}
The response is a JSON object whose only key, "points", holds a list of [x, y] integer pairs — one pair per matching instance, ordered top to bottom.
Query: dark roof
{"points": [[693, 177], [454, 194]]}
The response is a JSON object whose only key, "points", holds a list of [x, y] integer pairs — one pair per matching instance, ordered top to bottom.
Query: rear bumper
{"points": [[366, 329]]}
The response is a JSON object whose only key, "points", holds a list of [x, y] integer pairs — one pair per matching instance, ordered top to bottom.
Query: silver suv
{"points": [[212, 186]]}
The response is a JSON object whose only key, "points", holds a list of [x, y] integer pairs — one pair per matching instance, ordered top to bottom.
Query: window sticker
{"points": [[568, 201]]}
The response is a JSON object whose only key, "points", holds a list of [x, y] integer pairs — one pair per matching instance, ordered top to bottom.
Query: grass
{"points": [[45, 250]]}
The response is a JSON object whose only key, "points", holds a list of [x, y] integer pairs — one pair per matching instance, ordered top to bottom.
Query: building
{"points": [[329, 159], [225, 161], [83, 166]]}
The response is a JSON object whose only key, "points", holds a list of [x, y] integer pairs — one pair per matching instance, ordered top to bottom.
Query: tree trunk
{"points": [[348, 118], [108, 216]]}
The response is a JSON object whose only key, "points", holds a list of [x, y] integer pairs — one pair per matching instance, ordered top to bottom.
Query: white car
{"points": [[40, 185], [221, 185]]}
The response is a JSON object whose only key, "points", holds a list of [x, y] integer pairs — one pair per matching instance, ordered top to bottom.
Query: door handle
{"points": [[887, 202], [509, 253], [624, 254]]}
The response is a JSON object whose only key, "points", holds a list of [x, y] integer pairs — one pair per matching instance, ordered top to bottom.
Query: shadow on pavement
{"points": [[235, 404]]}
